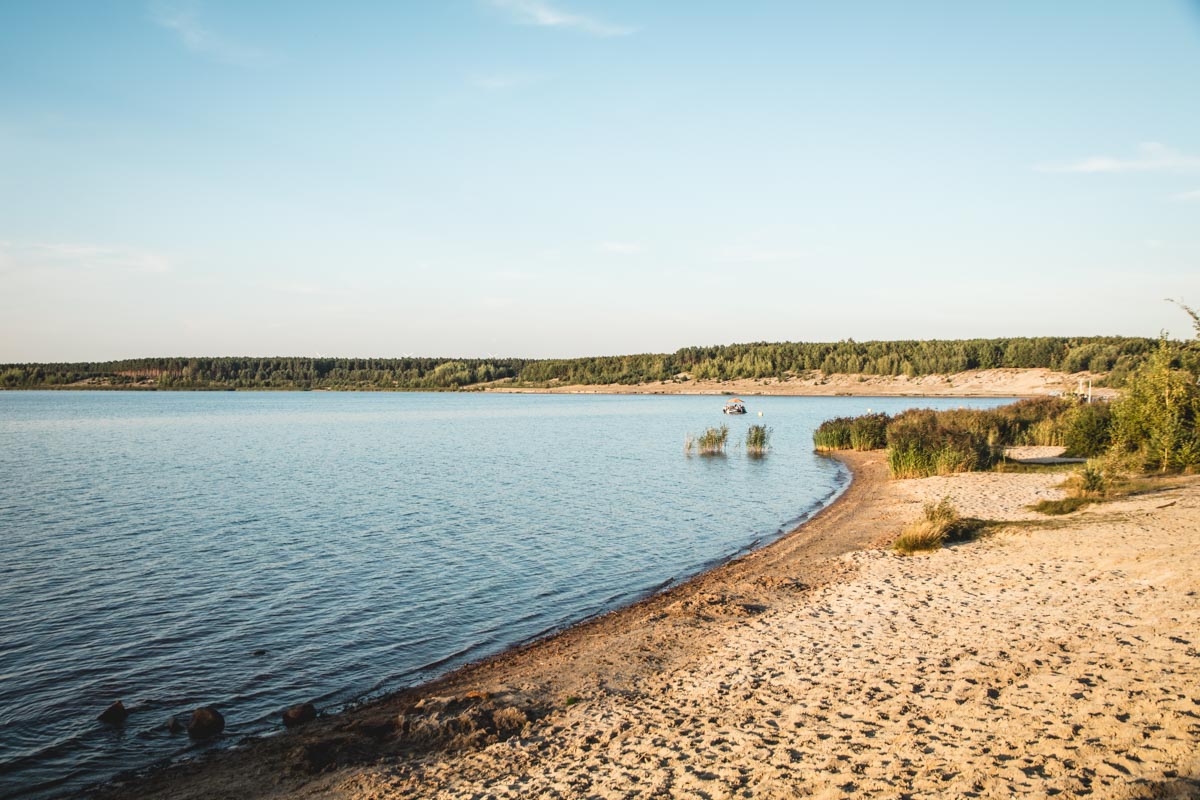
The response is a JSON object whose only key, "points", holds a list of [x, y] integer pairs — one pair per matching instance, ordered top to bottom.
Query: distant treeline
{"points": [[1117, 356]]}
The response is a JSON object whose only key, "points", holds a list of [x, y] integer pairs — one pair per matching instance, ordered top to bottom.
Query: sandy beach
{"points": [[975, 383], [1052, 657]]}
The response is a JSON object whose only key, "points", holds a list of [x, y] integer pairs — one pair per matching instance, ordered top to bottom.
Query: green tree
{"points": [[1155, 422]]}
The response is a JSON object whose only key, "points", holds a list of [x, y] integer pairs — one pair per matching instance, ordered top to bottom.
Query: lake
{"points": [[256, 550]]}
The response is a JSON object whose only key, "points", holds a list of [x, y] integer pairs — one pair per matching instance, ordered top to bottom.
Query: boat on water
{"points": [[735, 406]]}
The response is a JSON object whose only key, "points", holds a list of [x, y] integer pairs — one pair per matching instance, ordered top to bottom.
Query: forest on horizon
{"points": [[1113, 356]]}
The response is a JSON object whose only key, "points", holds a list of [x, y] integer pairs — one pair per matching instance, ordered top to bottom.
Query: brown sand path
{"points": [[1061, 658]]}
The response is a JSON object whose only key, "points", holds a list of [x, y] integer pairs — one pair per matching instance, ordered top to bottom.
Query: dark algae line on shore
{"points": [[1113, 355]]}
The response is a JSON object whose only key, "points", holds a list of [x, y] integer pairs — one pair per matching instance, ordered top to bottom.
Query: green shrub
{"points": [[1154, 425], [1087, 430], [1091, 481]]}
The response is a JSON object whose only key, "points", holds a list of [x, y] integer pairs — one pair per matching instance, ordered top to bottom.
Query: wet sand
{"points": [[1050, 657]]}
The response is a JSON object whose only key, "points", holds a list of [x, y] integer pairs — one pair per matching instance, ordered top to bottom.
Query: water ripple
{"points": [[156, 544]]}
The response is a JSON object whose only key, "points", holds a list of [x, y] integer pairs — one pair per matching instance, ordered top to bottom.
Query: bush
{"points": [[1154, 425], [1087, 430]]}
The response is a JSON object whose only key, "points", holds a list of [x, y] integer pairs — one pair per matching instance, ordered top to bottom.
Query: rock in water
{"points": [[114, 714], [298, 715], [206, 723], [174, 726]]}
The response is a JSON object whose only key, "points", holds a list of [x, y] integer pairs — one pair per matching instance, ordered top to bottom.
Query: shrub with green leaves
{"points": [[1154, 424]]}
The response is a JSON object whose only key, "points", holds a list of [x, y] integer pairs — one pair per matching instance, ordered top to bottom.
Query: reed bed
{"points": [[867, 432], [758, 440], [922, 442], [710, 443]]}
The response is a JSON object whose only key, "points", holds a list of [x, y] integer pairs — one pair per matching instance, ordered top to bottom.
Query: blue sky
{"points": [[574, 177]]}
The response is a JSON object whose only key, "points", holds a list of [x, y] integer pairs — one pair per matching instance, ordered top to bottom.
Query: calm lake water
{"points": [[154, 542]]}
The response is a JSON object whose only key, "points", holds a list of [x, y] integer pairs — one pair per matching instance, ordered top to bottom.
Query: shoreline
{"points": [[983, 383], [1051, 656], [492, 679]]}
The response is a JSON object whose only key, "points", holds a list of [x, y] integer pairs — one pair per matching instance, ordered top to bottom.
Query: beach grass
{"points": [[940, 523]]}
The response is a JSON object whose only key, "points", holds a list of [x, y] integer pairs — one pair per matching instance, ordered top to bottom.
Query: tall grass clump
{"points": [[867, 432], [833, 434], [757, 440], [922, 442], [710, 443], [931, 531]]}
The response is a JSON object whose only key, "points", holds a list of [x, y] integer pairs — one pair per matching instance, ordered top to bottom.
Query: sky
{"points": [[554, 178]]}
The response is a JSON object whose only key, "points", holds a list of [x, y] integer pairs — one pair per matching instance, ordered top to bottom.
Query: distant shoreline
{"points": [[1000, 382]]}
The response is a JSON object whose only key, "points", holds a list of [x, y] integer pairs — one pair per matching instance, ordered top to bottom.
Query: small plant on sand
{"points": [[757, 440], [710, 443], [1091, 481], [1085, 487], [1064, 505], [931, 531]]}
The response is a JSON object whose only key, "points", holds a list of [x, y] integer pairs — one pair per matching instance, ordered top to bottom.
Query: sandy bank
{"points": [[976, 383], [1057, 657]]}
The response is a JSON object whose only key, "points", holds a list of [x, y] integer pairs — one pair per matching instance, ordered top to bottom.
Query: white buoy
{"points": [[760, 413]]}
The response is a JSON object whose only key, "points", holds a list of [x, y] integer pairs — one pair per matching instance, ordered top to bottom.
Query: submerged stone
{"points": [[114, 714], [298, 715], [206, 723]]}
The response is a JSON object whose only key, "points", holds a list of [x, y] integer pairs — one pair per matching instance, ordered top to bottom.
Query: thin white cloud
{"points": [[545, 15], [184, 22], [1150, 157], [1188, 197], [622, 248], [75, 257]]}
